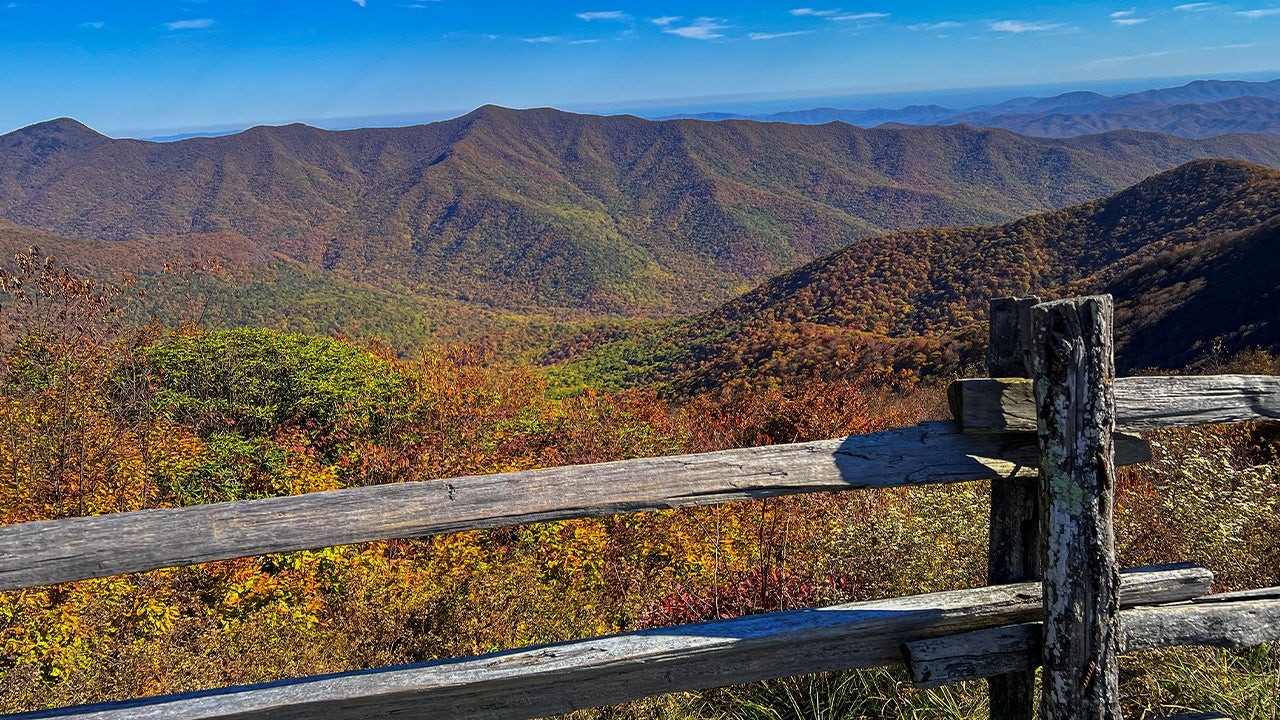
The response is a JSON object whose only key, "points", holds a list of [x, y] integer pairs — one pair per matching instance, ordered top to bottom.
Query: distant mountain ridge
{"points": [[1200, 109], [546, 211]]}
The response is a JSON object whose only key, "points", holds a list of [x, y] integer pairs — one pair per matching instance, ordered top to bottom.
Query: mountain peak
{"points": [[489, 110], [65, 126], [58, 135], [1215, 173]]}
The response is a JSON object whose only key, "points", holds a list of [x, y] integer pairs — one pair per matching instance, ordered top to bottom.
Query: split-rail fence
{"points": [[1047, 430]]}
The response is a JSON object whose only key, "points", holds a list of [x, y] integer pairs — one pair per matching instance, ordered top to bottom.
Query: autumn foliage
{"points": [[96, 417]]}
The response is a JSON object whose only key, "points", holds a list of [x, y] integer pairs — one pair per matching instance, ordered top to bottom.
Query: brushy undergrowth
{"points": [[97, 418]]}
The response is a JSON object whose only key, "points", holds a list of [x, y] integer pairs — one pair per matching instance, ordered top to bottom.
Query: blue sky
{"points": [[133, 68]]}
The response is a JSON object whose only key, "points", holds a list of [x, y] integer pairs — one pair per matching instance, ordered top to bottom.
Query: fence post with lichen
{"points": [[1073, 369]]}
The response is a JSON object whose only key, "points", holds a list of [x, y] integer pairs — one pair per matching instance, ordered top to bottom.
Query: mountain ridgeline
{"points": [[1200, 109], [549, 212], [1189, 255]]}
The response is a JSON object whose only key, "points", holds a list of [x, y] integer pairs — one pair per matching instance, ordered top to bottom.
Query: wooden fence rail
{"points": [[1142, 403], [1047, 443], [54, 551], [1226, 620], [551, 679]]}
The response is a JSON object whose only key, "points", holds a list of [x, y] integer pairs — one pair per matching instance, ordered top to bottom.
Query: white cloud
{"points": [[358, 2], [1193, 7], [810, 12], [1121, 14], [1255, 14], [603, 15], [860, 16], [665, 20], [1123, 22], [190, 24], [93, 25], [935, 26], [1019, 26], [703, 28], [772, 36], [542, 39], [583, 42], [1164, 53], [1129, 58]]}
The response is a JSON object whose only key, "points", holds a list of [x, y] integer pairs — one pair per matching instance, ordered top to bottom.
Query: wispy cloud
{"points": [[358, 2], [1193, 7], [810, 12], [1260, 13], [603, 15], [860, 16], [1125, 18], [665, 20], [200, 24], [93, 25], [935, 26], [1020, 26], [704, 28], [774, 36], [541, 39], [583, 42], [1165, 53], [1128, 58]]}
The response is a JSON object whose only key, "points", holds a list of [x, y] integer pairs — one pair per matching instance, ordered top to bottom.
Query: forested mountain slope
{"points": [[544, 210], [1187, 253], [225, 280]]}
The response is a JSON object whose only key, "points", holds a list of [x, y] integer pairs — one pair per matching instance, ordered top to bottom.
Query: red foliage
{"points": [[749, 592]]}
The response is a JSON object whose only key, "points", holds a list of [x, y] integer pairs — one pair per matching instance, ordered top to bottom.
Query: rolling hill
{"points": [[1200, 109], [1189, 120], [547, 212], [1189, 255], [224, 280]]}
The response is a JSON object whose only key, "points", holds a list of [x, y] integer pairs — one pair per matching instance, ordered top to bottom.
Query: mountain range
{"points": [[1201, 109], [551, 214], [1189, 255]]}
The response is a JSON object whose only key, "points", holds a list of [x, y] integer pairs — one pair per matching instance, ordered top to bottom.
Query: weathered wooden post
{"points": [[1073, 368], [1015, 520]]}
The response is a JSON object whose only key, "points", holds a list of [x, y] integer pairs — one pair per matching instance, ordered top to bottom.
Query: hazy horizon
{"points": [[169, 66], [762, 103]]}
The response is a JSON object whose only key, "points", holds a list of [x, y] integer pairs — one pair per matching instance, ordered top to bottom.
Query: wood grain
{"points": [[1072, 369], [1142, 403], [1014, 527], [73, 549], [1212, 621], [1234, 624], [552, 679]]}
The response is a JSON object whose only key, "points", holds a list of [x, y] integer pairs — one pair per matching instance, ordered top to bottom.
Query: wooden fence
{"points": [[1056, 598]]}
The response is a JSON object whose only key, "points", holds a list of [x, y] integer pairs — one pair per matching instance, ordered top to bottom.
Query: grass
{"points": [[1242, 684]]}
